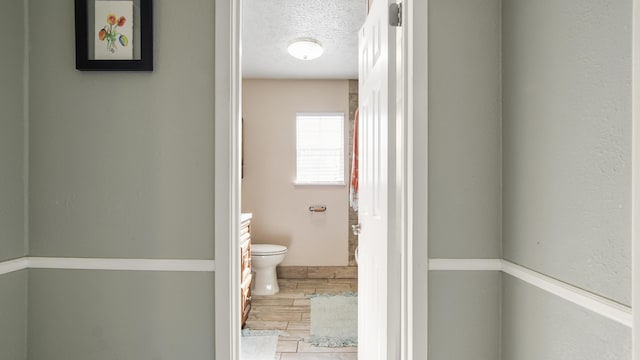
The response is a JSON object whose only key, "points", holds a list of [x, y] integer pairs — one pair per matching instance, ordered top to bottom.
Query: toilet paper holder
{"points": [[318, 208]]}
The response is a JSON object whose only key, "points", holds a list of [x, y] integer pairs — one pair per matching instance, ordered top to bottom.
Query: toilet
{"points": [[264, 259]]}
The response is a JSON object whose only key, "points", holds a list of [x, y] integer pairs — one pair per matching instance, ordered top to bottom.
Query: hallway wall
{"points": [[464, 129], [12, 133], [121, 167], [567, 172], [464, 176], [13, 286], [13, 315], [539, 325]]}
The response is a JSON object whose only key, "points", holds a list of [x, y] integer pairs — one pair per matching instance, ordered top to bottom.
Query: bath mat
{"points": [[334, 320], [258, 344]]}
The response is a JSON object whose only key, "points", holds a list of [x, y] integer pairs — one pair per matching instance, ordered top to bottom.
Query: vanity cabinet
{"points": [[245, 268]]}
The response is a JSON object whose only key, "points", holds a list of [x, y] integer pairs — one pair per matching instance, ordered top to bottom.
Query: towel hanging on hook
{"points": [[353, 188]]}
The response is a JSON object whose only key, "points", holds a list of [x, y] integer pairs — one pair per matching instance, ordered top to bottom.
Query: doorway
{"points": [[297, 131], [412, 254]]}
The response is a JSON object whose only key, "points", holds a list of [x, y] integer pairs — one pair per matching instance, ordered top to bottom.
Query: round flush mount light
{"points": [[305, 49]]}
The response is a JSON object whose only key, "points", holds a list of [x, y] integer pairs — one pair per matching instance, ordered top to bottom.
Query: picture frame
{"points": [[114, 35]]}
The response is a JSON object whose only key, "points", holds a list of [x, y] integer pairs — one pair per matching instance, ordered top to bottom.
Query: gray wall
{"points": [[464, 129], [12, 132], [567, 141], [121, 165], [567, 172], [464, 176], [13, 286], [464, 313], [13, 315], [105, 315], [541, 326]]}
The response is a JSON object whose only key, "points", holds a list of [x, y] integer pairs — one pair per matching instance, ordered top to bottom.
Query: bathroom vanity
{"points": [[245, 267]]}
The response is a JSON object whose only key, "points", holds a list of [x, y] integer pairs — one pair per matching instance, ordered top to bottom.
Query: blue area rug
{"points": [[334, 320], [258, 344]]}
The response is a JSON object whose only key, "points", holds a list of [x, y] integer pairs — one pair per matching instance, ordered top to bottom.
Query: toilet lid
{"points": [[267, 249]]}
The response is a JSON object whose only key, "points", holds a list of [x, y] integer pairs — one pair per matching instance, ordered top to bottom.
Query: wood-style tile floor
{"points": [[290, 311]]}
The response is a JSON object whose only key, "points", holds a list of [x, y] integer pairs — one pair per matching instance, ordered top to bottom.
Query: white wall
{"points": [[279, 207]]}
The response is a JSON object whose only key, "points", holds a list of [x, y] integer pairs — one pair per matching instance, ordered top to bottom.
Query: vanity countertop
{"points": [[245, 217]]}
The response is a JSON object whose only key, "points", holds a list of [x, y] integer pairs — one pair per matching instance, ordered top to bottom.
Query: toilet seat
{"points": [[267, 249]]}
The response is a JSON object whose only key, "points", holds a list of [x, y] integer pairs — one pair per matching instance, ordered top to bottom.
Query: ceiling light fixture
{"points": [[305, 49]]}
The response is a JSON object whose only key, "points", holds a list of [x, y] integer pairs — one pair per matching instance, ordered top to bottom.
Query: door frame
{"points": [[635, 178], [411, 261]]}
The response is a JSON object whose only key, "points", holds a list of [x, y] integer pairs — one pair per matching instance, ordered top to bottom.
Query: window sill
{"points": [[326, 183]]}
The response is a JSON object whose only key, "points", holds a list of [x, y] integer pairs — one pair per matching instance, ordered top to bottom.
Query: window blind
{"points": [[320, 148]]}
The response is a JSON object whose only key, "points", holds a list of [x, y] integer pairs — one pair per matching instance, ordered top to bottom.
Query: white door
{"points": [[376, 165]]}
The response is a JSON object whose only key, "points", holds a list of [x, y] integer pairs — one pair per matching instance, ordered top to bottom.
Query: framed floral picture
{"points": [[114, 35]]}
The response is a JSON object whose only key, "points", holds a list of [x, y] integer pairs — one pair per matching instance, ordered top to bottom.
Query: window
{"points": [[320, 148]]}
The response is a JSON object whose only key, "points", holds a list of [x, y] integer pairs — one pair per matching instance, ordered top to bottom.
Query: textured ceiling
{"points": [[269, 26]]}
